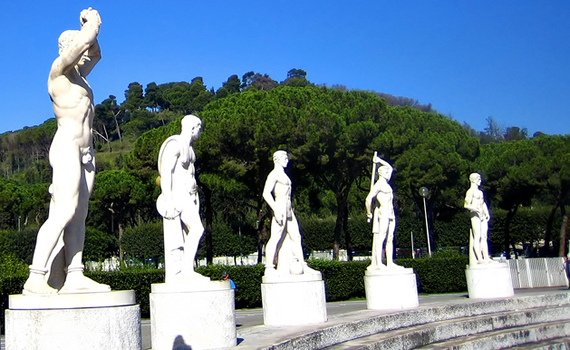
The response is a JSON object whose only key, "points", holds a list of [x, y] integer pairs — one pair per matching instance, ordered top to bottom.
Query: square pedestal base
{"points": [[488, 281], [391, 289], [291, 303], [192, 317], [75, 324]]}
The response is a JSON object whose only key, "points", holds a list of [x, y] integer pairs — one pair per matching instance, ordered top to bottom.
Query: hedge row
{"points": [[343, 280]]}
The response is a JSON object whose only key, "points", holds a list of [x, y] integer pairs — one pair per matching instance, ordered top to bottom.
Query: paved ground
{"points": [[247, 319]]}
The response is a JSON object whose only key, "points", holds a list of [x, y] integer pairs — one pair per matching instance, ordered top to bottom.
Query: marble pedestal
{"points": [[490, 280], [389, 289], [293, 300], [192, 316], [109, 320]]}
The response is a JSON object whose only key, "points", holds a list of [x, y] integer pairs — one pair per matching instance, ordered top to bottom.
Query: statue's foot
{"points": [[394, 266], [376, 267], [309, 271], [271, 272], [193, 277], [76, 282], [37, 285]]}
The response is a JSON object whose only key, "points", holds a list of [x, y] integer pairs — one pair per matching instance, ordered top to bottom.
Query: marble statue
{"points": [[381, 198], [179, 203], [475, 203], [61, 237], [283, 251]]}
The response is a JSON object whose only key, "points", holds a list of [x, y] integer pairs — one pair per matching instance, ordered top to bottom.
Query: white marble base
{"points": [[490, 280], [391, 289], [294, 300], [198, 316], [71, 322]]}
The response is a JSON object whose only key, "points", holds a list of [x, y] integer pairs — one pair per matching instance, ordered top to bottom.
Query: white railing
{"points": [[538, 272]]}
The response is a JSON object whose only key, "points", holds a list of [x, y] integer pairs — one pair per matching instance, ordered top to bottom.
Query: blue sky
{"points": [[469, 59]]}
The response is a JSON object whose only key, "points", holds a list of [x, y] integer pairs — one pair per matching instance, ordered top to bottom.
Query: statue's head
{"points": [[65, 39], [191, 126], [280, 157], [385, 171], [475, 178]]}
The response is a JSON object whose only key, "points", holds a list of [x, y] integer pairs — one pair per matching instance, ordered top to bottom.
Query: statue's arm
{"points": [[84, 40], [94, 54], [168, 162], [382, 162], [270, 183], [268, 190], [370, 199], [469, 201]]}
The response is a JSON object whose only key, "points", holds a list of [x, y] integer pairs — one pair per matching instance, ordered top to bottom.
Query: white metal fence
{"points": [[538, 272]]}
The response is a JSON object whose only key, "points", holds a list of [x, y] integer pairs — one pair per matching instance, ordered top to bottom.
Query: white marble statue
{"points": [[72, 160], [381, 198], [179, 203], [475, 203], [283, 252]]}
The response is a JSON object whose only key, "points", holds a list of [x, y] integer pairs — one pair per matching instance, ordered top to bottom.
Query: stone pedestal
{"points": [[489, 280], [389, 289], [293, 300], [192, 316], [103, 321]]}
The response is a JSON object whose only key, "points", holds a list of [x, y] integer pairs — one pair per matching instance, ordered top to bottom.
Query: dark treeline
{"points": [[331, 134]]}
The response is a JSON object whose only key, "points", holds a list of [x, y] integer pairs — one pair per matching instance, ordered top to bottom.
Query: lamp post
{"points": [[424, 193]]}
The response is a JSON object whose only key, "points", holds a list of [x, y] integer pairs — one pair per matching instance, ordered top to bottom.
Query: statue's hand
{"points": [[90, 16], [376, 159], [171, 213], [279, 217], [369, 217]]}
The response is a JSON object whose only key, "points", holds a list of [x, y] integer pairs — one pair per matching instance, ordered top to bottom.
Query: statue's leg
{"points": [[65, 161], [384, 226], [476, 226], [193, 228], [276, 235], [295, 237], [74, 239], [483, 241], [390, 243], [297, 245], [173, 248]]}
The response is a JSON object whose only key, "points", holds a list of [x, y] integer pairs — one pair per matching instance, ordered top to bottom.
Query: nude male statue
{"points": [[72, 160], [381, 198], [179, 203], [475, 203], [285, 239]]}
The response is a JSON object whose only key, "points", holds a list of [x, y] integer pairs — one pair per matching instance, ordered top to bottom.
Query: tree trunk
{"points": [[117, 126], [342, 209], [209, 216], [550, 221], [261, 233], [507, 234], [563, 237], [347, 238], [120, 245]]}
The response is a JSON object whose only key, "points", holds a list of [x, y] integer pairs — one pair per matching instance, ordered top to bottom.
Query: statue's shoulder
{"points": [[176, 142]]}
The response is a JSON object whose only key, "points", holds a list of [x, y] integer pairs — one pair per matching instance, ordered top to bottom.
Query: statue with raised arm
{"points": [[71, 157], [381, 199], [179, 203], [475, 203], [283, 251]]}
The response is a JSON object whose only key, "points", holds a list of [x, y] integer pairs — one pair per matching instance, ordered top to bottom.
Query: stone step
{"points": [[360, 326], [416, 336], [529, 337], [550, 344]]}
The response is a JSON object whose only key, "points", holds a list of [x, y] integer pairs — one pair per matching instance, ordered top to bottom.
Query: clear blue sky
{"points": [[469, 59]]}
